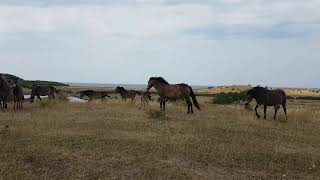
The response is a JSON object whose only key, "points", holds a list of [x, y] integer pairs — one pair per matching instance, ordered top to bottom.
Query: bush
{"points": [[229, 98]]}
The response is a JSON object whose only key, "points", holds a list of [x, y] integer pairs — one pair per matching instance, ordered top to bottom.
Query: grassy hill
{"points": [[30, 84]]}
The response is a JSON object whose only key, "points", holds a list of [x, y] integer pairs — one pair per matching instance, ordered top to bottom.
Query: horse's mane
{"points": [[160, 79], [120, 87], [259, 87]]}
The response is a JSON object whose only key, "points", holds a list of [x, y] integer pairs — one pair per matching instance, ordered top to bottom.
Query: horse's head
{"points": [[151, 83], [250, 95]]}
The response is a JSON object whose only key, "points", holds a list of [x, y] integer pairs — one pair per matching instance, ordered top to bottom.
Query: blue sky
{"points": [[208, 42]]}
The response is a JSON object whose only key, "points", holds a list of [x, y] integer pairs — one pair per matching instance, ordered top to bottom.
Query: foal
{"points": [[145, 98]]}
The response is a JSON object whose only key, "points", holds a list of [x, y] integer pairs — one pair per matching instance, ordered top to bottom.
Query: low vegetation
{"points": [[30, 84], [229, 97], [116, 140]]}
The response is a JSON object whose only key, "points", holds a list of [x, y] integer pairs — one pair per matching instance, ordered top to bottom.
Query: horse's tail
{"points": [[195, 102]]}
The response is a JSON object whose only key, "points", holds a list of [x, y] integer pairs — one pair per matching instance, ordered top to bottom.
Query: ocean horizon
{"points": [[128, 86]]}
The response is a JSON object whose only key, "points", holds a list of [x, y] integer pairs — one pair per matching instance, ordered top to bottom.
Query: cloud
{"points": [[146, 18]]}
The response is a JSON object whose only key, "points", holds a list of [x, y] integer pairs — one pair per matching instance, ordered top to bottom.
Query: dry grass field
{"points": [[116, 140]]}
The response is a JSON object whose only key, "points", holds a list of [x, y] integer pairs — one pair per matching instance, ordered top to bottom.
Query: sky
{"points": [[199, 42]]}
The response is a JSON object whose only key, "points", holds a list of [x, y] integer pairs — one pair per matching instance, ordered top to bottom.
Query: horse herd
{"points": [[263, 96]]}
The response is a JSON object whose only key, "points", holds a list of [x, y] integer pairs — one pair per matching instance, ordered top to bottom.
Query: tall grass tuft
{"points": [[62, 97], [157, 115]]}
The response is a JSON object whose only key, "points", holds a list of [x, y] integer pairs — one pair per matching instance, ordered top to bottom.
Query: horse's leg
{"points": [[39, 97], [160, 103], [5, 104], [141, 104], [145, 104], [164, 104], [276, 108], [256, 109], [190, 110], [285, 110], [265, 111]]}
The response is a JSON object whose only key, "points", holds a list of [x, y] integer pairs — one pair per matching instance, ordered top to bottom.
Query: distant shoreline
{"points": [[128, 86]]}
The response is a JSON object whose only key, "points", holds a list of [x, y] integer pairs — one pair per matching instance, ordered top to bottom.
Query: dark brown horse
{"points": [[5, 90], [43, 91], [175, 91], [127, 93], [94, 94], [18, 96], [266, 97], [145, 98]]}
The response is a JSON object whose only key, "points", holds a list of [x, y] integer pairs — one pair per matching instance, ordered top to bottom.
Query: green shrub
{"points": [[229, 98]]}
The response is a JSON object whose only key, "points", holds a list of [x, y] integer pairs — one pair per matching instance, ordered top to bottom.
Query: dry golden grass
{"points": [[115, 140]]}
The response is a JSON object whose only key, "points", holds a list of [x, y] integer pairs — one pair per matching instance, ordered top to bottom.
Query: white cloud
{"points": [[157, 18]]}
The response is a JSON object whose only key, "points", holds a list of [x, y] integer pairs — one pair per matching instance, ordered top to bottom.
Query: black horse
{"points": [[38, 91], [94, 95], [266, 97]]}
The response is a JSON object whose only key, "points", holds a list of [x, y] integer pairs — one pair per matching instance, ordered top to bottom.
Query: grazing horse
{"points": [[5, 90], [43, 91], [174, 91], [126, 93], [94, 95], [18, 96], [266, 97], [145, 98]]}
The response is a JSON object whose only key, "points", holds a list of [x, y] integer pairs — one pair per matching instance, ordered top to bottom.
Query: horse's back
{"points": [[277, 96]]}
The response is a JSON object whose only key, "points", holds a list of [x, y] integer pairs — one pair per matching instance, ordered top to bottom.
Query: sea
{"points": [[127, 86]]}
